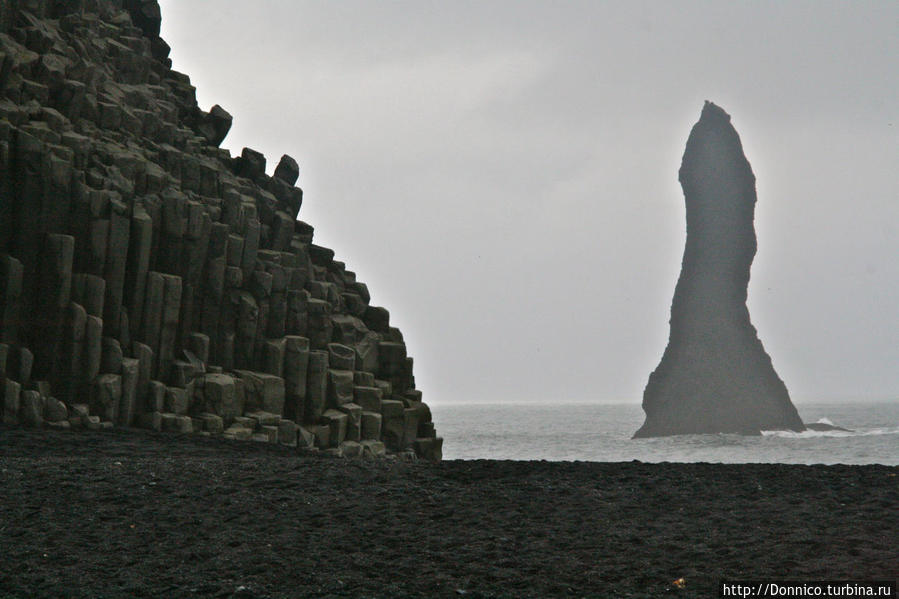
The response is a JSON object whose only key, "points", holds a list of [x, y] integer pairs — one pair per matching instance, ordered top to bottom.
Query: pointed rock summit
{"points": [[715, 376]]}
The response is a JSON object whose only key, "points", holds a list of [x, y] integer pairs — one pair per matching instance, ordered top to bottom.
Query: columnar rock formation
{"points": [[149, 278], [715, 376]]}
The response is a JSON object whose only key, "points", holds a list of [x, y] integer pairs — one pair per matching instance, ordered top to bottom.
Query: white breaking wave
{"points": [[602, 433], [808, 434]]}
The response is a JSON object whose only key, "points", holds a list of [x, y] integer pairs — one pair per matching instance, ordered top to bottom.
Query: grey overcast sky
{"points": [[503, 174]]}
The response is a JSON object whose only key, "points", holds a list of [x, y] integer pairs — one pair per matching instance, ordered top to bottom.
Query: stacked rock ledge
{"points": [[148, 278]]}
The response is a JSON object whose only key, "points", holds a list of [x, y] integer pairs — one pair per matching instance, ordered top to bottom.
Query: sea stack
{"points": [[715, 376]]}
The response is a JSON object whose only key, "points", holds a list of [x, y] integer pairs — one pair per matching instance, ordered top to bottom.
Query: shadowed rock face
{"points": [[149, 278], [715, 376]]}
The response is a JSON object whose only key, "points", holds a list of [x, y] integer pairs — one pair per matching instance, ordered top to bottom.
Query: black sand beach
{"points": [[137, 514]]}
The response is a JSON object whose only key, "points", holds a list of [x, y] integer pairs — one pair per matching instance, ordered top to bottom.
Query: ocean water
{"points": [[602, 432]]}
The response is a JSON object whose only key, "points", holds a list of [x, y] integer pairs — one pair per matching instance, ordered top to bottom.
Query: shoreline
{"points": [[22, 442], [159, 515]]}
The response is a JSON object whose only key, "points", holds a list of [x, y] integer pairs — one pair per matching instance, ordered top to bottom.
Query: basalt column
{"points": [[149, 278], [715, 376]]}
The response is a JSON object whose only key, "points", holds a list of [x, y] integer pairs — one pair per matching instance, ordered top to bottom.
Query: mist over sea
{"points": [[601, 432]]}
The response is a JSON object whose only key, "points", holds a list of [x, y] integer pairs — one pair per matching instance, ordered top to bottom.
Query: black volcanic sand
{"points": [[135, 514]]}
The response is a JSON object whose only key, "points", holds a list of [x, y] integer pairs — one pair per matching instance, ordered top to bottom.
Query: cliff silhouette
{"points": [[148, 278], [715, 376]]}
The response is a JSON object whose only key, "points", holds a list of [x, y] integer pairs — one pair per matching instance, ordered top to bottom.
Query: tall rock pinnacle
{"points": [[715, 376]]}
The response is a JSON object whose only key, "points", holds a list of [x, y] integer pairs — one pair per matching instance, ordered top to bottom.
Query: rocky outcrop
{"points": [[149, 278], [715, 376]]}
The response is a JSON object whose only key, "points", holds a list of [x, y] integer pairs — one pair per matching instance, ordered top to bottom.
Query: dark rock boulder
{"points": [[146, 15], [214, 125], [251, 164], [287, 170], [715, 376], [822, 427]]}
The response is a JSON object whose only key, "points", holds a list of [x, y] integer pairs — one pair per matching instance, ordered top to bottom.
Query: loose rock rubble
{"points": [[148, 278]]}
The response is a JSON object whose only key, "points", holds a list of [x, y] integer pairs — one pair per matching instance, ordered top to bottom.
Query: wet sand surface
{"points": [[138, 514]]}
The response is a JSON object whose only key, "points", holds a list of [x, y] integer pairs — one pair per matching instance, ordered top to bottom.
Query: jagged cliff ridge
{"points": [[148, 278], [715, 376]]}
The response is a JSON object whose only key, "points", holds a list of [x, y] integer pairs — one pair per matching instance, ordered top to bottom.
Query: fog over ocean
{"points": [[504, 175], [601, 432]]}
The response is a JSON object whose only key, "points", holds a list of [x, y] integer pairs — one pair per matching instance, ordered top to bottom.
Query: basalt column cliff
{"points": [[147, 278], [715, 376]]}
